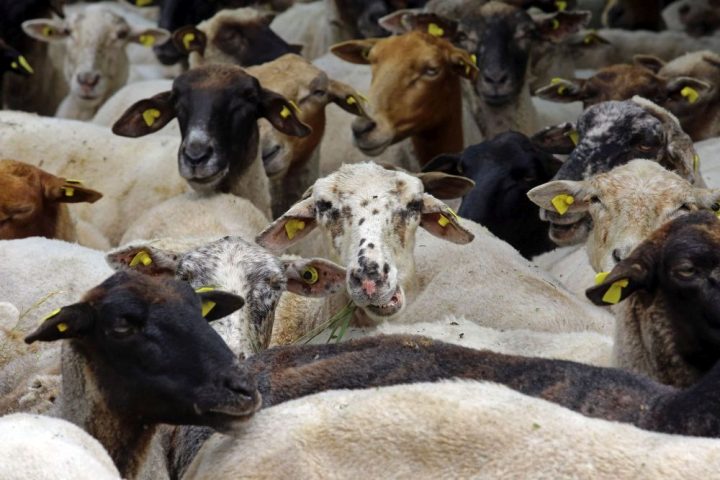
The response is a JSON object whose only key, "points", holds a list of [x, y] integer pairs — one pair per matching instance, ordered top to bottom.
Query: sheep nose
{"points": [[497, 77], [88, 79], [363, 126], [197, 152], [618, 255], [369, 287], [240, 384]]}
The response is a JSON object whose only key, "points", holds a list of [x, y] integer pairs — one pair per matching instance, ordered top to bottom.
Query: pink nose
{"points": [[368, 286]]}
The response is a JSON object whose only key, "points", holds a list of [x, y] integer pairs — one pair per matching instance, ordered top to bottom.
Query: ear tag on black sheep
{"points": [[143, 3], [561, 5], [555, 23], [435, 30], [147, 40], [187, 40], [22, 64], [690, 94], [150, 115], [574, 136], [562, 202], [293, 226], [141, 257], [614, 293], [207, 305], [62, 326]]}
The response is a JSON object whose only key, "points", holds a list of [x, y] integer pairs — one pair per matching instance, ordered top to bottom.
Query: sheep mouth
{"points": [[497, 100], [372, 150], [569, 233], [391, 307], [241, 410]]}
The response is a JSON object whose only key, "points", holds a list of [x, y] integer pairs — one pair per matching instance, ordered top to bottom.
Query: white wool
{"points": [[310, 25], [709, 152], [451, 429], [44, 448]]}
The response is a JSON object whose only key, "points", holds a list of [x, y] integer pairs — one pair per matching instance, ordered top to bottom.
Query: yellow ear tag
{"points": [[142, 3], [561, 6], [555, 23], [435, 30], [47, 31], [589, 38], [187, 39], [147, 40], [473, 57], [14, 65], [690, 94], [351, 100], [294, 106], [285, 112], [150, 115], [574, 136], [696, 162], [73, 181], [69, 191], [562, 202], [443, 221], [292, 227], [141, 257], [310, 275], [600, 277], [204, 289], [612, 296], [207, 307], [51, 314], [62, 327]]}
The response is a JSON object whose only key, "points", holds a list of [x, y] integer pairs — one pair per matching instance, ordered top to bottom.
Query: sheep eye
{"points": [[122, 34], [431, 71], [319, 93], [645, 148], [594, 199], [685, 207], [715, 207], [685, 271], [123, 328]]}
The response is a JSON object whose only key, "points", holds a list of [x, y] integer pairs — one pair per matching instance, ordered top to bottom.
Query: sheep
{"points": [[634, 15], [696, 17], [240, 37], [95, 63], [687, 87], [610, 134], [211, 156], [504, 168], [33, 203], [391, 278], [110, 384], [452, 429], [42, 448]]}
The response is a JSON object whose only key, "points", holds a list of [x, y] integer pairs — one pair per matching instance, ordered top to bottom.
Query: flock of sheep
{"points": [[264, 276]]}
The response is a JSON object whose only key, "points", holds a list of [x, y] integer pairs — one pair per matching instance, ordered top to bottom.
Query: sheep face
{"points": [[633, 14], [415, 86], [217, 107], [504, 169], [369, 216], [153, 355]]}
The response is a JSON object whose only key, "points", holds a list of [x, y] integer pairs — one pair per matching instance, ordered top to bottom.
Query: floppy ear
{"points": [[395, 22], [432, 24], [557, 26], [46, 30], [149, 37], [189, 39], [354, 51], [14, 62], [651, 62], [463, 63], [688, 89], [563, 91], [346, 97], [282, 114], [146, 116], [559, 139], [446, 163], [444, 186], [67, 191], [560, 196], [439, 219], [289, 229], [145, 259], [636, 272], [315, 277], [217, 304], [72, 321]]}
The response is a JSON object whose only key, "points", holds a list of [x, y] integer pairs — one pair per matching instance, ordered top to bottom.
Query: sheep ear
{"points": [[395, 22], [432, 24], [557, 26], [46, 30], [149, 37], [189, 39], [354, 51], [651, 62], [464, 64], [688, 89], [563, 91], [346, 97], [282, 114], [146, 116], [559, 139], [446, 163], [444, 186], [68, 191], [560, 196], [441, 221], [289, 229], [145, 259], [636, 272], [315, 277], [217, 304], [72, 321]]}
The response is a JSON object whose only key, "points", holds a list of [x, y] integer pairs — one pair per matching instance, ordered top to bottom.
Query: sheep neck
{"points": [[518, 115], [703, 124], [447, 134], [250, 182], [127, 441]]}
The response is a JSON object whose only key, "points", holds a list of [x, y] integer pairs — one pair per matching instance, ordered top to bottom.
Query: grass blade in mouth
{"points": [[340, 321]]}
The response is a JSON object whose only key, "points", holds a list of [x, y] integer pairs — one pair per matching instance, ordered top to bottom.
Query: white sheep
{"points": [[445, 430], [44, 448]]}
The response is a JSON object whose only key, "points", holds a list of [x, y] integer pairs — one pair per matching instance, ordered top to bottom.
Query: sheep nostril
{"points": [[363, 126], [617, 255]]}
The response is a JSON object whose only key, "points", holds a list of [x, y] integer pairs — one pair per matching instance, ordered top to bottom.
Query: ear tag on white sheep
{"points": [[561, 5], [435, 30], [47, 31], [187, 39], [147, 40], [473, 57], [690, 94], [150, 115], [696, 163], [69, 191], [562, 202], [443, 221], [292, 227], [141, 257], [310, 275], [600, 277], [614, 293]]}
